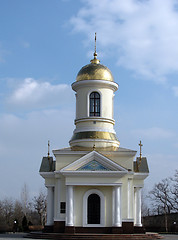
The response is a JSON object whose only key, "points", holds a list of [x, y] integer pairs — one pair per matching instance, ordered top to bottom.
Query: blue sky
{"points": [[43, 45]]}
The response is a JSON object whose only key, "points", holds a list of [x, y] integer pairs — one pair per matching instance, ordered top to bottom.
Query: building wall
{"points": [[82, 100], [64, 160], [124, 161], [79, 192]]}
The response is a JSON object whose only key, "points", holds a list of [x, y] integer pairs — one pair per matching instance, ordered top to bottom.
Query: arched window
{"points": [[94, 104], [93, 210]]}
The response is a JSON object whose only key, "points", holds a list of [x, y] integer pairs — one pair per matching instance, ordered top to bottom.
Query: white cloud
{"points": [[142, 34], [175, 90], [31, 94], [153, 133]]}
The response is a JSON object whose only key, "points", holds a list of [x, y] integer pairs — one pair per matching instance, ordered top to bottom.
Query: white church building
{"points": [[94, 185]]}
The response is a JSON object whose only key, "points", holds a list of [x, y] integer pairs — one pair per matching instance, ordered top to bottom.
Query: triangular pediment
{"points": [[93, 162], [93, 166]]}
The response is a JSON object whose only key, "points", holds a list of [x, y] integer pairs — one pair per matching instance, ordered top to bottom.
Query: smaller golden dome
{"points": [[95, 71]]}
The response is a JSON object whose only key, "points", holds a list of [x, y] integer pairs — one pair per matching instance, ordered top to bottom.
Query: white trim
{"points": [[91, 83], [97, 119], [91, 128], [114, 142], [119, 152], [94, 156], [95, 173], [47, 174], [140, 176], [93, 184], [49, 185], [85, 208], [59, 219], [128, 220]]}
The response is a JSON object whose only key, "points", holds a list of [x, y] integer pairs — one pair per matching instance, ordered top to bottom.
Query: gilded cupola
{"points": [[95, 71]]}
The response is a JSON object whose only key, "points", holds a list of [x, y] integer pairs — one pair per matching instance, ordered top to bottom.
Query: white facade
{"points": [[94, 182]]}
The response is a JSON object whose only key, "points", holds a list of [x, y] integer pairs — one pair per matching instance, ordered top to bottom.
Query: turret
{"points": [[94, 87]]}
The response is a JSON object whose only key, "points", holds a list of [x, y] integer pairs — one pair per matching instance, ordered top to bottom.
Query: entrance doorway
{"points": [[94, 206], [94, 209]]}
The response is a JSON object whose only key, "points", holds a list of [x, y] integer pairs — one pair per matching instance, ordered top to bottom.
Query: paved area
{"points": [[19, 236], [170, 236]]}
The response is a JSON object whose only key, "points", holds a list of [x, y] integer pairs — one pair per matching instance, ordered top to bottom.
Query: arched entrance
{"points": [[94, 208]]}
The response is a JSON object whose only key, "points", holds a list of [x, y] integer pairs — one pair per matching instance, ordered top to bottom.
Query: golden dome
{"points": [[95, 71]]}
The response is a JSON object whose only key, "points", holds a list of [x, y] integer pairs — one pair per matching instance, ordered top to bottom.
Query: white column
{"points": [[129, 198], [57, 199], [50, 206], [69, 206], [138, 207], [117, 222]]}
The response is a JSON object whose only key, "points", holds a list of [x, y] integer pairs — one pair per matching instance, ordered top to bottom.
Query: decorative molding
{"points": [[92, 83], [97, 119], [97, 129], [119, 152], [97, 157], [94, 173], [47, 174], [140, 176], [93, 184], [102, 208], [128, 220]]}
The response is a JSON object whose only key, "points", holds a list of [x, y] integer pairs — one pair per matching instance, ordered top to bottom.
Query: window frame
{"points": [[95, 104]]}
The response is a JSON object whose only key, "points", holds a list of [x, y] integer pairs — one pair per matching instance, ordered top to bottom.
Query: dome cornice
{"points": [[90, 83]]}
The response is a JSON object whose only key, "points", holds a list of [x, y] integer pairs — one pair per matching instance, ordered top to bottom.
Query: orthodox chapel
{"points": [[94, 186]]}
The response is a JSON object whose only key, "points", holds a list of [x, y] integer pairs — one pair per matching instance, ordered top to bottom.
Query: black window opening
{"points": [[95, 104], [63, 207], [93, 211]]}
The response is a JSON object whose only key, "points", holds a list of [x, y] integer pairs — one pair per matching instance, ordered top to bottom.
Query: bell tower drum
{"points": [[94, 121]]}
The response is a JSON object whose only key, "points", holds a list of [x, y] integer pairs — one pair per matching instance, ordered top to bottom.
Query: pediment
{"points": [[93, 163], [93, 166]]}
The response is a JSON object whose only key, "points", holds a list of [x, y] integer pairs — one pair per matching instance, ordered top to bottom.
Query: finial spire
{"points": [[95, 45], [95, 60], [141, 145], [48, 148], [140, 158]]}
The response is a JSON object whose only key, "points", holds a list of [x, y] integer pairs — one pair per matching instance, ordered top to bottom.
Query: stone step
{"points": [[65, 236]]}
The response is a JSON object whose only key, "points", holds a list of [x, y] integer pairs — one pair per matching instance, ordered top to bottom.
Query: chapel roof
{"points": [[95, 71]]}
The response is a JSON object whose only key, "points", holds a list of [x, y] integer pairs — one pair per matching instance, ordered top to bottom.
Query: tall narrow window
{"points": [[95, 104], [93, 210]]}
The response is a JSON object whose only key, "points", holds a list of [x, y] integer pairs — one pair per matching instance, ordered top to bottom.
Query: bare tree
{"points": [[174, 190], [165, 196], [25, 199], [40, 206], [144, 206], [7, 212], [18, 212]]}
